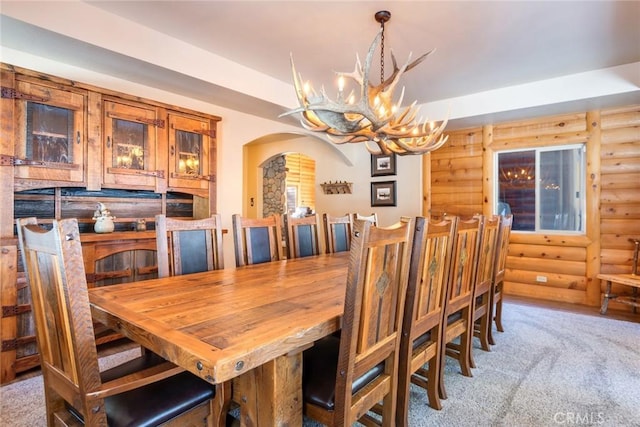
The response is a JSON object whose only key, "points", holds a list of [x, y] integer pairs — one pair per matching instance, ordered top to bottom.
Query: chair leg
{"points": [[491, 315], [498, 317], [485, 325], [465, 352], [404, 377], [432, 383], [442, 391]]}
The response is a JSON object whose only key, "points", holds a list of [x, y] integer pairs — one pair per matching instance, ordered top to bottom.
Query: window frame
{"points": [[538, 150]]}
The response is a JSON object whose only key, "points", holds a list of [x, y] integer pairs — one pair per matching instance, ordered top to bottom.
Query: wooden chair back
{"points": [[373, 217], [337, 232], [303, 235], [257, 240], [188, 245], [500, 265], [484, 281], [60, 304], [459, 306], [423, 311], [372, 322], [66, 342]]}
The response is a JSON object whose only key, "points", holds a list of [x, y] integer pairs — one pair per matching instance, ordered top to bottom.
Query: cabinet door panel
{"points": [[50, 140], [189, 142], [130, 143]]}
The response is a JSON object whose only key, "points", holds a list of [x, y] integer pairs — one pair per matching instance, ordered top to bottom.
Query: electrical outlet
{"points": [[541, 279]]}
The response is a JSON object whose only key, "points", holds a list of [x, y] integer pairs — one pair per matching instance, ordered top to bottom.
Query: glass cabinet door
{"points": [[50, 139], [130, 144], [189, 157]]}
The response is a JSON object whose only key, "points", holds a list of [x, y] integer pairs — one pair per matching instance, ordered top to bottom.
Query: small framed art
{"points": [[383, 164], [383, 193]]}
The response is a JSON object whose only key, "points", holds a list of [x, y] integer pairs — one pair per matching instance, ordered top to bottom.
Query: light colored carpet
{"points": [[549, 368]]}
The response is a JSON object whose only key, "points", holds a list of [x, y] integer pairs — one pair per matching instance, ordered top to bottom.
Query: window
{"points": [[543, 188], [292, 199]]}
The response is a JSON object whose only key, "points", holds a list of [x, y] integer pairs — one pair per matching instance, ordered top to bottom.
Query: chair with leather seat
{"points": [[373, 217], [337, 232], [303, 235], [257, 240], [188, 245], [498, 275], [484, 283], [458, 315], [420, 345], [346, 376], [146, 391]]}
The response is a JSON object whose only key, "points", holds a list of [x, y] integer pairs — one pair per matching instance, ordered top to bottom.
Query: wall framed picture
{"points": [[383, 164], [383, 193]]}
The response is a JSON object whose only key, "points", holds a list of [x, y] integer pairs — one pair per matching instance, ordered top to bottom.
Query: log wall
{"points": [[459, 182]]}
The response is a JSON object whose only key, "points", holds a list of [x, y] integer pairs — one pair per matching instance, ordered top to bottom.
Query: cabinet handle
{"points": [[78, 138], [108, 142], [172, 150]]}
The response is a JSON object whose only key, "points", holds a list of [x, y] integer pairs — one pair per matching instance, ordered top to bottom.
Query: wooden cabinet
{"points": [[68, 134], [190, 140], [130, 141], [50, 142], [66, 145], [120, 257], [108, 259]]}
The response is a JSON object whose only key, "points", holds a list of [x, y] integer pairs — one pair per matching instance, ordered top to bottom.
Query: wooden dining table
{"points": [[248, 324]]}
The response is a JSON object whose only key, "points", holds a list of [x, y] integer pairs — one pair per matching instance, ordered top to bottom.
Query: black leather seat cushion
{"points": [[454, 317], [422, 339], [319, 368], [155, 403]]}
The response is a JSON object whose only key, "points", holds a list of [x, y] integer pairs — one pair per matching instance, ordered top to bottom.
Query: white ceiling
{"points": [[482, 47]]}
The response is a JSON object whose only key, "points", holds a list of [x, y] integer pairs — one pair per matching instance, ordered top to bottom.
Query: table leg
{"points": [[605, 300], [271, 395]]}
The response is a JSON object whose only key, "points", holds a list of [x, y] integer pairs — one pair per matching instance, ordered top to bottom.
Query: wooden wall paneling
{"points": [[621, 117], [540, 126], [540, 141], [615, 166], [488, 167], [446, 175], [456, 175], [612, 181], [426, 184], [467, 185], [620, 199], [593, 200], [621, 227], [548, 252], [573, 268], [554, 280], [529, 290]]}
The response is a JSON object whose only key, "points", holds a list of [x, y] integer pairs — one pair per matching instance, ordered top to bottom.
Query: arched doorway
{"points": [[288, 184]]}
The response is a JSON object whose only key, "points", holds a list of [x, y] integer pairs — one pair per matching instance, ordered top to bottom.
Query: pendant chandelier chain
{"points": [[382, 53]]}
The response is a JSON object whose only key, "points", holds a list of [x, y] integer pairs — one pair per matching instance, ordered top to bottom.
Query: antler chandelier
{"points": [[384, 126]]}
